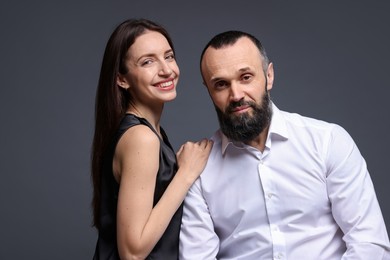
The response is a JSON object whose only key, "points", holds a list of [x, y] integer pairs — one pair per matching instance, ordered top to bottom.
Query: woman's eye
{"points": [[170, 56], [146, 62]]}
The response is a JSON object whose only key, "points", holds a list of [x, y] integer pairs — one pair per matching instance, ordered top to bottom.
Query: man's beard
{"points": [[245, 127]]}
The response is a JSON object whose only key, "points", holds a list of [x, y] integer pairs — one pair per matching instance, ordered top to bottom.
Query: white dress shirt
{"points": [[307, 196]]}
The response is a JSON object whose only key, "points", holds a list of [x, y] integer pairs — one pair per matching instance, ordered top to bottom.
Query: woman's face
{"points": [[152, 70]]}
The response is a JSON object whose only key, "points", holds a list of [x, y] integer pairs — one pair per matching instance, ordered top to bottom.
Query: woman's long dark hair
{"points": [[111, 100]]}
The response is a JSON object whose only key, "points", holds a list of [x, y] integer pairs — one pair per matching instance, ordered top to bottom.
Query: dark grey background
{"points": [[331, 62]]}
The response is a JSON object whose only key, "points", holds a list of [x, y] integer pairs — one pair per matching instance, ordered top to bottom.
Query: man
{"points": [[277, 185]]}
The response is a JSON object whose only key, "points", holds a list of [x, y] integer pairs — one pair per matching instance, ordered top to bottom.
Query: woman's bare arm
{"points": [[136, 163]]}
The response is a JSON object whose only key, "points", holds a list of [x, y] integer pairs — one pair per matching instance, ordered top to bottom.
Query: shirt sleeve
{"points": [[354, 203], [197, 237]]}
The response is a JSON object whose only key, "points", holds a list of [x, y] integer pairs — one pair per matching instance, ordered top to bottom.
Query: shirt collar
{"points": [[277, 127]]}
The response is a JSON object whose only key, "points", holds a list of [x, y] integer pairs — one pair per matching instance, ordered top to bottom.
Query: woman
{"points": [[138, 186]]}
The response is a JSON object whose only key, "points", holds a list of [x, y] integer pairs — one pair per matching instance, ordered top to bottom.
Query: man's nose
{"points": [[236, 92]]}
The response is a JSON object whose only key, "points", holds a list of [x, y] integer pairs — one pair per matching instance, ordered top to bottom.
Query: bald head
{"points": [[229, 38]]}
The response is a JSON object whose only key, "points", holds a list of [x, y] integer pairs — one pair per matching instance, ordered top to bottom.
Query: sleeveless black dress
{"points": [[167, 247]]}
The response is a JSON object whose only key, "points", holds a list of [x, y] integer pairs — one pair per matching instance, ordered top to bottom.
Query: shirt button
{"points": [[269, 195], [278, 256]]}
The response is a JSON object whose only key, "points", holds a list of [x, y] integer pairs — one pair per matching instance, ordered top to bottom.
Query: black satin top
{"points": [[167, 247]]}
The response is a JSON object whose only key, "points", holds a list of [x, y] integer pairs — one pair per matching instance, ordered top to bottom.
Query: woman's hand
{"points": [[192, 158]]}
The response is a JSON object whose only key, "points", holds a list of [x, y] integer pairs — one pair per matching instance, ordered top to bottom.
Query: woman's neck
{"points": [[152, 115]]}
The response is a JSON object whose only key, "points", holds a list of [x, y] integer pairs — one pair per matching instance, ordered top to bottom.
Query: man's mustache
{"points": [[239, 103]]}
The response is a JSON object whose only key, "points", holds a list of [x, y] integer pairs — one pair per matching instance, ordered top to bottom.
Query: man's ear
{"points": [[270, 76], [121, 81]]}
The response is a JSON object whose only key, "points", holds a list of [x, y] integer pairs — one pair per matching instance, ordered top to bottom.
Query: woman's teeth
{"points": [[165, 84]]}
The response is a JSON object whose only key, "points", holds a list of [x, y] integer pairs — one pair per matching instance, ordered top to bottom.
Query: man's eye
{"points": [[246, 77], [220, 84]]}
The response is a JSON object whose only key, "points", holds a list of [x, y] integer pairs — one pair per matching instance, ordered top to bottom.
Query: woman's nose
{"points": [[165, 69]]}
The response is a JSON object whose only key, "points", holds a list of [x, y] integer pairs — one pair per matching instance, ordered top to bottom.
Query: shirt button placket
{"points": [[277, 237]]}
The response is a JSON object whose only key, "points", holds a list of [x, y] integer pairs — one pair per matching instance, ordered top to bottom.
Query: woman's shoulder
{"points": [[130, 120], [139, 135], [136, 136], [137, 147]]}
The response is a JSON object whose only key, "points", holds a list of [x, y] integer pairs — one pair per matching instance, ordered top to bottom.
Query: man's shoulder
{"points": [[298, 120], [308, 126], [217, 136], [219, 140]]}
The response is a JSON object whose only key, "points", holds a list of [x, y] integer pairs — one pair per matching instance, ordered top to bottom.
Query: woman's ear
{"points": [[121, 81]]}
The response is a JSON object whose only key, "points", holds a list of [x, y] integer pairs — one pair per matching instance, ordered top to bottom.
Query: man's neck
{"points": [[259, 141]]}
